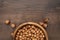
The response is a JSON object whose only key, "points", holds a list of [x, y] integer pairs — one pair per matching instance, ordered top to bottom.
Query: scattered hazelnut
{"points": [[46, 19], [7, 21], [41, 23], [13, 25], [45, 25]]}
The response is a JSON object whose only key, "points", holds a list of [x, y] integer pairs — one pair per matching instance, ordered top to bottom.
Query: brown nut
{"points": [[46, 20], [7, 21], [41, 23], [13, 25], [45, 25], [12, 34]]}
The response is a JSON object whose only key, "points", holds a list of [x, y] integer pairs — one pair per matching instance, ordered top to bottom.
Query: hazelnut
{"points": [[7, 21], [13, 25]]}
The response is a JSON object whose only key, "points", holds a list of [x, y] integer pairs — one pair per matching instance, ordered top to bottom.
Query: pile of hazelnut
{"points": [[30, 32]]}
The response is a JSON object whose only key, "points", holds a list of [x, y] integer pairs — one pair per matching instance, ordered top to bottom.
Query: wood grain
{"points": [[20, 11]]}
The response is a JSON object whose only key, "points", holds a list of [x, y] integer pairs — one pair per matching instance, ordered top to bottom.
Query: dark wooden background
{"points": [[20, 11]]}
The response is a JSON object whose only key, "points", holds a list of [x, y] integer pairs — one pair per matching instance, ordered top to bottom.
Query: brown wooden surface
{"points": [[20, 11]]}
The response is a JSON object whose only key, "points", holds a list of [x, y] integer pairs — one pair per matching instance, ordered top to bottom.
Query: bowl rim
{"points": [[41, 27]]}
